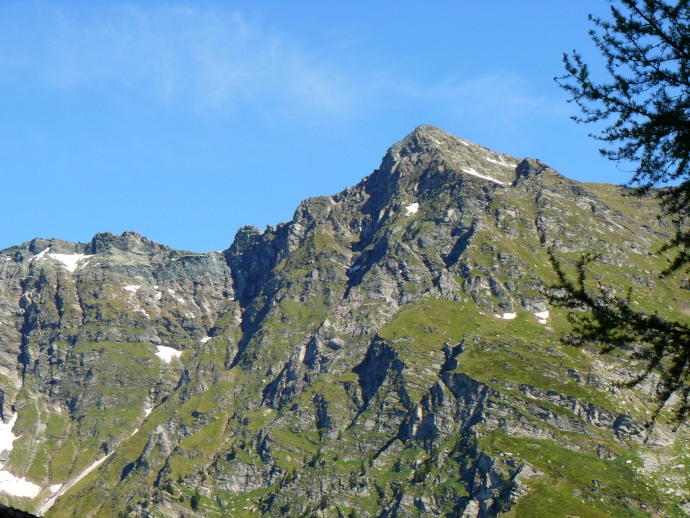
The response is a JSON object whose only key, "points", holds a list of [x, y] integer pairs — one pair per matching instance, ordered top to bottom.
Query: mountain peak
{"points": [[428, 130], [428, 136], [430, 147], [127, 242]]}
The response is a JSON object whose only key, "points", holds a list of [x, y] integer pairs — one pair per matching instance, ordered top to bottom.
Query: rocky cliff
{"points": [[389, 351]]}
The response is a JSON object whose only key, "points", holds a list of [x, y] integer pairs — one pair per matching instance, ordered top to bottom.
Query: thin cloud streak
{"points": [[206, 60], [210, 61]]}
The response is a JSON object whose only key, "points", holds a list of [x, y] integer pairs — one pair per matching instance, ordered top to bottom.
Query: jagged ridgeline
{"points": [[390, 351]]}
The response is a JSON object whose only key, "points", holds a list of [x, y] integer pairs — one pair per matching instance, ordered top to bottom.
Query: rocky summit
{"points": [[390, 351]]}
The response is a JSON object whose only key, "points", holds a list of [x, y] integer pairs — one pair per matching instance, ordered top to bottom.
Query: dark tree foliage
{"points": [[644, 103], [611, 321]]}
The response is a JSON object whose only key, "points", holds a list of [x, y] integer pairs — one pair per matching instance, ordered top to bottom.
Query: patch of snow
{"points": [[463, 142], [498, 162], [472, 172], [412, 208], [40, 256], [8, 258], [69, 261], [355, 268], [132, 288], [172, 294], [158, 295], [137, 307], [506, 316], [542, 316], [205, 339], [167, 353], [6, 435], [9, 483], [16, 486], [60, 489], [49, 503]]}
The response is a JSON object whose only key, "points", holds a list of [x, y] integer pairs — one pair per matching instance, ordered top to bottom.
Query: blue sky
{"points": [[185, 121]]}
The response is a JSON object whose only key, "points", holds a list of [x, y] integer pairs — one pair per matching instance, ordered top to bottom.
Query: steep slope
{"points": [[82, 326], [389, 351]]}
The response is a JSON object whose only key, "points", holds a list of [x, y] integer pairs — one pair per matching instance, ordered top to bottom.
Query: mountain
{"points": [[390, 351]]}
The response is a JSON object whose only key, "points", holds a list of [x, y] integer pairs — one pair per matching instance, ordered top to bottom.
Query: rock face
{"points": [[390, 351]]}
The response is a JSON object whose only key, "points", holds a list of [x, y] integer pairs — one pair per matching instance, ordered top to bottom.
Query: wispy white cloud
{"points": [[205, 59], [210, 60]]}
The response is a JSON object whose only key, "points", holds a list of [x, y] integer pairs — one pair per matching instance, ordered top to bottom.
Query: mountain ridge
{"points": [[391, 350]]}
